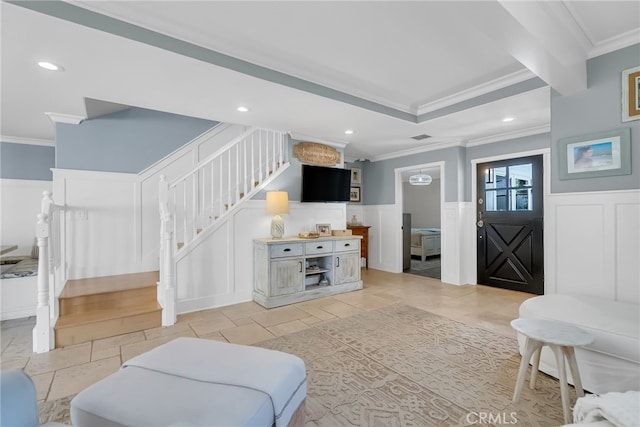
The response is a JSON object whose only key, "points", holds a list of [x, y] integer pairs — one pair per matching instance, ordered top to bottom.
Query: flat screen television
{"points": [[323, 184]]}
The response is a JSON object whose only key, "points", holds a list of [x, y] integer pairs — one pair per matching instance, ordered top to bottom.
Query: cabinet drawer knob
{"points": [[347, 244], [319, 247], [287, 250]]}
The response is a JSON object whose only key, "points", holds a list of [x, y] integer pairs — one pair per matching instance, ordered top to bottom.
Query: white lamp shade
{"points": [[420, 179], [277, 202]]}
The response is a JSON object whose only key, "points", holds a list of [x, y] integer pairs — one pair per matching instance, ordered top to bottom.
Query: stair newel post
{"points": [[168, 285], [166, 288], [42, 334]]}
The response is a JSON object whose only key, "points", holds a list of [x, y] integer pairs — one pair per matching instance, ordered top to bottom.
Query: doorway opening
{"points": [[422, 192]]}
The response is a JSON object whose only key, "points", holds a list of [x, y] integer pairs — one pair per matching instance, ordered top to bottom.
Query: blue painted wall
{"points": [[597, 109], [126, 141], [23, 161]]}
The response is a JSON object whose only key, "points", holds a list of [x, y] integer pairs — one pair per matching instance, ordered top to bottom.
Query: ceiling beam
{"points": [[541, 37]]}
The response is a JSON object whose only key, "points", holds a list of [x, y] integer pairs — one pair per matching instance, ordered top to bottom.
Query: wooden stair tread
{"points": [[99, 285], [77, 319]]}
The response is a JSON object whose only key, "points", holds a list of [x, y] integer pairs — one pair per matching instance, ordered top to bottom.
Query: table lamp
{"points": [[277, 204]]}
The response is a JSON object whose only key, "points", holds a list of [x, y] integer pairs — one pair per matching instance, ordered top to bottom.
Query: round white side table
{"points": [[561, 339]]}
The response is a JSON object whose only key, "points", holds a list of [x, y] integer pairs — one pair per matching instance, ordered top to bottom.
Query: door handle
{"points": [[480, 223], [338, 258], [300, 266]]}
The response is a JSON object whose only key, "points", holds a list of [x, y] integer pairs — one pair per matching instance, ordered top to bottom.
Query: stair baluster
{"points": [[227, 189]]}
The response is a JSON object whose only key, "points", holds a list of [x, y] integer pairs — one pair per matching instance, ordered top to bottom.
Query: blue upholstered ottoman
{"points": [[196, 382]]}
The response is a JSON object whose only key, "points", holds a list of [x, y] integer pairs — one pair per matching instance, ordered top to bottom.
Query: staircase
{"points": [[192, 207], [103, 307]]}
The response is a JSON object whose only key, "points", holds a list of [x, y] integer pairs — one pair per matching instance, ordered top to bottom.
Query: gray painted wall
{"points": [[596, 109], [126, 141], [23, 161], [378, 178]]}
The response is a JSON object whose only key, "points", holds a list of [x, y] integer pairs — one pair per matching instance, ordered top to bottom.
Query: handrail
{"points": [[214, 155], [191, 205]]}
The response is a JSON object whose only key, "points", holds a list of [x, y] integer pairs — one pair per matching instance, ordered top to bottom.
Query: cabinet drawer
{"points": [[347, 245], [317, 248], [286, 250]]}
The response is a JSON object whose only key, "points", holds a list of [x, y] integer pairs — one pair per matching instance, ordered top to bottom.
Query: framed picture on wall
{"points": [[631, 94], [595, 155], [356, 176], [354, 194]]}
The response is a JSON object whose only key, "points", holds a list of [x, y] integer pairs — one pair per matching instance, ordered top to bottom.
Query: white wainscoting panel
{"points": [[20, 200], [102, 223], [385, 237], [455, 240], [593, 245], [627, 259], [219, 270], [204, 277], [18, 297]]}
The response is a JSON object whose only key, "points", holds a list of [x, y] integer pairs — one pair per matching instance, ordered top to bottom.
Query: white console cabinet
{"points": [[292, 269]]}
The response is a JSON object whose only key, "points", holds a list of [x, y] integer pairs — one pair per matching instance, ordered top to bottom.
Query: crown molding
{"points": [[616, 43], [482, 89], [65, 118], [536, 130], [303, 137], [27, 141], [431, 147]]}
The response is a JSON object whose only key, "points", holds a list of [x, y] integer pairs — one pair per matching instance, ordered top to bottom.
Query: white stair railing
{"points": [[195, 202], [48, 233]]}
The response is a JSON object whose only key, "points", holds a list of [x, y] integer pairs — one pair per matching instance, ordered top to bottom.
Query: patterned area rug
{"points": [[401, 366]]}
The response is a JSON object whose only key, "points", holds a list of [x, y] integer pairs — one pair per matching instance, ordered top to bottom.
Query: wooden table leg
{"points": [[530, 346], [573, 366], [534, 368], [564, 387]]}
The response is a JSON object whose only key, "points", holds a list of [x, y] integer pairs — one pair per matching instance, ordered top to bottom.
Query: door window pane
{"points": [[520, 175], [496, 178], [509, 188], [520, 199], [496, 200]]}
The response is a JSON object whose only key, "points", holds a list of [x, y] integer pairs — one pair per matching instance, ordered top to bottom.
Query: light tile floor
{"points": [[69, 370]]}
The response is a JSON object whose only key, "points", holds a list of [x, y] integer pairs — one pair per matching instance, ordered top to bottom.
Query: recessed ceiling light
{"points": [[49, 66], [243, 109], [507, 119], [348, 132]]}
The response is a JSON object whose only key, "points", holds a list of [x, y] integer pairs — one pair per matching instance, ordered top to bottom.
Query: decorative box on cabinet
{"points": [[362, 230], [291, 270]]}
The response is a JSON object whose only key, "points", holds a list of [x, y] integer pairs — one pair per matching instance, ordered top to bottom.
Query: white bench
{"points": [[612, 361]]}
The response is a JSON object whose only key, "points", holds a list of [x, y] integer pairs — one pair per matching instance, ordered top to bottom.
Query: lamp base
{"points": [[277, 227]]}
